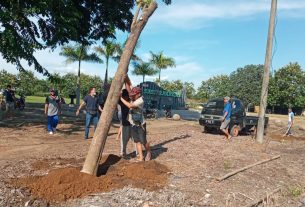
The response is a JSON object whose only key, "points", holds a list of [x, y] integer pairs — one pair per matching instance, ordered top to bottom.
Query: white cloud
{"points": [[198, 14]]}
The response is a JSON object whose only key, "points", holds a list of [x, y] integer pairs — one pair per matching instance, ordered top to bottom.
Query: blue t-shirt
{"points": [[9, 97], [91, 104], [228, 108]]}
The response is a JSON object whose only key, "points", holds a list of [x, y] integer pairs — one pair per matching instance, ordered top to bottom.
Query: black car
{"points": [[212, 113]]}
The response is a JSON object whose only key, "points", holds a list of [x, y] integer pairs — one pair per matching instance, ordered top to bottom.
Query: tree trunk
{"points": [[106, 73], [160, 76], [143, 79], [78, 84], [264, 93], [100, 135]]}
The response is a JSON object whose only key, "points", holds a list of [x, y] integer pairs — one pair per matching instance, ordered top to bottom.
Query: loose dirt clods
{"points": [[70, 183]]}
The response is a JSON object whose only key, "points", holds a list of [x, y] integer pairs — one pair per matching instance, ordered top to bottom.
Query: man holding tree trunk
{"points": [[136, 119]]}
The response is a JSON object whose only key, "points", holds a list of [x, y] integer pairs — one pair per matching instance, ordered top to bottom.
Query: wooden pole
{"points": [[264, 92], [101, 132], [245, 168]]}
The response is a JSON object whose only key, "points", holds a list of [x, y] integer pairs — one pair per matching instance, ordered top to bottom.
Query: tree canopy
{"points": [[28, 26], [161, 62], [143, 69], [246, 83], [287, 87]]}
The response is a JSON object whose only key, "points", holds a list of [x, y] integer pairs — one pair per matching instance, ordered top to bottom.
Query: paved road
{"points": [[187, 114]]}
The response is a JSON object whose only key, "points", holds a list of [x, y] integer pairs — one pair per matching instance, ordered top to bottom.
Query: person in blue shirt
{"points": [[92, 110], [226, 117]]}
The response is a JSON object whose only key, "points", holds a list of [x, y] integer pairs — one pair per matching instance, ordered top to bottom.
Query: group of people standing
{"points": [[132, 121]]}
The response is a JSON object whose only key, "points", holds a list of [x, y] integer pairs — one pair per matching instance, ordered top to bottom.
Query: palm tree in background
{"points": [[110, 50], [78, 53], [134, 57], [161, 62], [143, 69]]}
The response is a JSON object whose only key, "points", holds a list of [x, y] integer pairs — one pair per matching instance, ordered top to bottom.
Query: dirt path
{"points": [[193, 158]]}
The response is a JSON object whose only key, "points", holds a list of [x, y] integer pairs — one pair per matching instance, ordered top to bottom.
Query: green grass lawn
{"points": [[35, 99]]}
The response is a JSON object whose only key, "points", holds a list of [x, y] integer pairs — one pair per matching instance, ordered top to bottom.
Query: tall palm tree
{"points": [[110, 50], [78, 53], [161, 62], [143, 69]]}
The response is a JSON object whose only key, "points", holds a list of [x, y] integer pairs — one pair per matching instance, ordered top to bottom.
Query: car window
{"points": [[214, 104]]}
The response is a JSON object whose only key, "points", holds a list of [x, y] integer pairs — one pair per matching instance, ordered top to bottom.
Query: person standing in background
{"points": [[9, 101], [91, 102], [52, 110], [226, 117], [290, 122]]}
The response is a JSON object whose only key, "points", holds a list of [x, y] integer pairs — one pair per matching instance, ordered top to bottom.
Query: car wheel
{"points": [[207, 129], [234, 131], [253, 132]]}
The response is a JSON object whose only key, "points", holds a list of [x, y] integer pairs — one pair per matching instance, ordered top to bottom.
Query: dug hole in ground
{"points": [[42, 170]]}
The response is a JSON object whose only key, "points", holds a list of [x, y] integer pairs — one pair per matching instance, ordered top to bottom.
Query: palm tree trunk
{"points": [[106, 72], [159, 75], [143, 78], [78, 84], [99, 139]]}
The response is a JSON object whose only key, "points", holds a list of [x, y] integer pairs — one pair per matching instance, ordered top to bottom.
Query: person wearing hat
{"points": [[52, 110], [226, 117], [136, 119], [124, 132]]}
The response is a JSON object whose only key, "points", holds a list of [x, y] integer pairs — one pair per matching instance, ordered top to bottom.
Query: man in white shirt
{"points": [[136, 119], [290, 121]]}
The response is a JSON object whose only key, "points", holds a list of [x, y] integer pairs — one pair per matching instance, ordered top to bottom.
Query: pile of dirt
{"points": [[70, 183]]}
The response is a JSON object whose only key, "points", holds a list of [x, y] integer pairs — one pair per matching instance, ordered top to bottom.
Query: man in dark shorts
{"points": [[9, 101], [92, 104], [51, 110], [226, 117], [136, 119]]}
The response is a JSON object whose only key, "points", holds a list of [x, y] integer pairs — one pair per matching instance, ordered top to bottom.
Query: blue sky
{"points": [[207, 38]]}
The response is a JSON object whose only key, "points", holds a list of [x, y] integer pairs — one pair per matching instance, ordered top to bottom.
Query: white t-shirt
{"points": [[139, 103], [290, 116]]}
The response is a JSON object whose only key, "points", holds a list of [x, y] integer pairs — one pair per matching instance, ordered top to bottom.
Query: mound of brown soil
{"points": [[70, 183]]}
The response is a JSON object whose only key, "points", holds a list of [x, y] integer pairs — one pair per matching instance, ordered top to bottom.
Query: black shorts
{"points": [[138, 134]]}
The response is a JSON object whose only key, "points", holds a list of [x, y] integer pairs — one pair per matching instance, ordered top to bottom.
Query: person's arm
{"points": [[128, 84], [129, 105], [46, 106], [80, 107], [100, 108], [224, 116], [292, 119]]}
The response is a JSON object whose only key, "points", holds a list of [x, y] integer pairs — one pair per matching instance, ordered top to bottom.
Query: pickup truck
{"points": [[212, 112]]}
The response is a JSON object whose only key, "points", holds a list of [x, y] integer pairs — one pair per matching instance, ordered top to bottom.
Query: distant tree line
{"points": [[25, 83], [286, 89]]}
